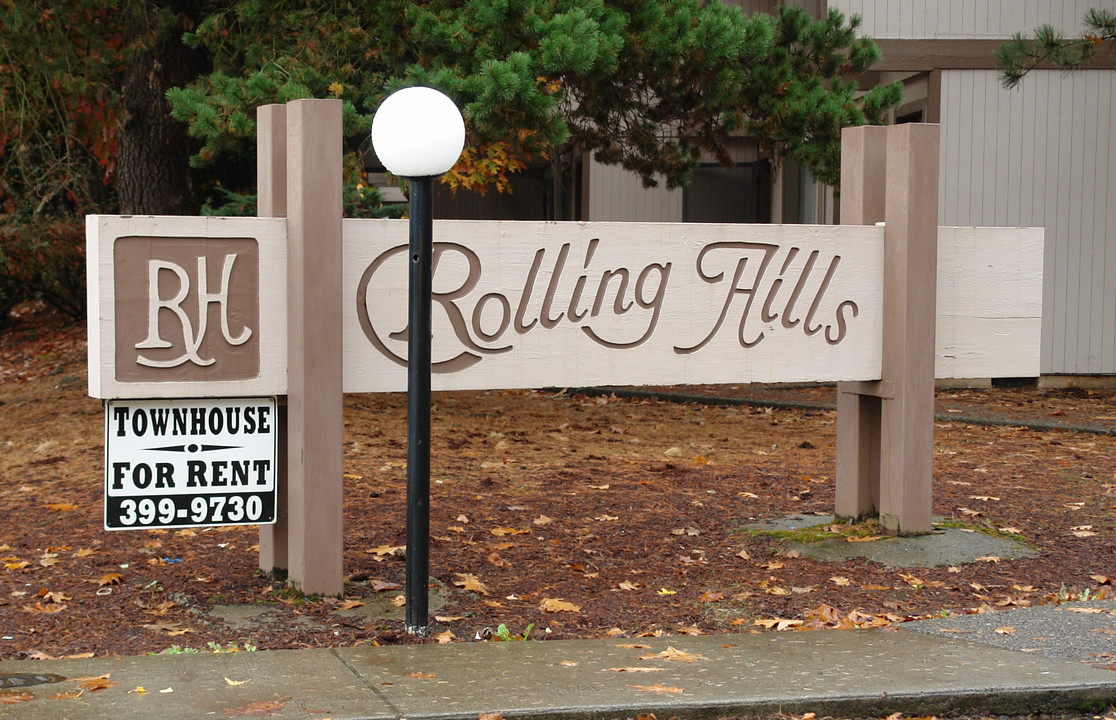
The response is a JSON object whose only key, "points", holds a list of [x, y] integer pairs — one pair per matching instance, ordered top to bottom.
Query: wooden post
{"points": [[863, 186], [271, 201], [910, 271], [314, 311], [885, 429]]}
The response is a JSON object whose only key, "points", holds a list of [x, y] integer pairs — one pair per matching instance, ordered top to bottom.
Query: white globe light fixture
{"points": [[418, 133]]}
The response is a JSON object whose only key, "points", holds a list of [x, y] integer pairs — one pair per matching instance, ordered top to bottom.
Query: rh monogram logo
{"points": [[197, 315], [192, 341]]}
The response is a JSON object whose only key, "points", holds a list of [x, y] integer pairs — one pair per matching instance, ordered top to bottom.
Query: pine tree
{"points": [[1020, 55], [647, 85]]}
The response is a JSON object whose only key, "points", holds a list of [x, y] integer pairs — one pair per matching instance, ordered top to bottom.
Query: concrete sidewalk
{"points": [[869, 673]]}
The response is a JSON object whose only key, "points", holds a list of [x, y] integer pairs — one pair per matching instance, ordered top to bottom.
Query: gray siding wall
{"points": [[958, 19], [1042, 156], [616, 195]]}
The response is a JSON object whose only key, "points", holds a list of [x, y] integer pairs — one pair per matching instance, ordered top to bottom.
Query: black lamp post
{"points": [[418, 134]]}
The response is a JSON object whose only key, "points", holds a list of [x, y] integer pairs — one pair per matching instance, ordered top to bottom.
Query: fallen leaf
{"points": [[983, 498], [62, 506], [606, 518], [542, 520], [501, 531], [689, 531], [858, 539], [385, 550], [743, 554], [988, 559], [498, 561], [112, 578], [1101, 579], [840, 580], [471, 583], [382, 585], [628, 585], [664, 591], [710, 596], [54, 597], [352, 604], [553, 605], [1085, 610], [449, 618], [777, 623], [174, 628], [690, 630], [1006, 630], [445, 638], [672, 653], [40, 655], [636, 669], [422, 675], [235, 683], [93, 684], [657, 688], [74, 694], [14, 698], [263, 708], [490, 716]]}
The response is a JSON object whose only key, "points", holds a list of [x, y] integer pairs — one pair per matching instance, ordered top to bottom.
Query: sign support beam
{"points": [[271, 201], [314, 312], [885, 430]]}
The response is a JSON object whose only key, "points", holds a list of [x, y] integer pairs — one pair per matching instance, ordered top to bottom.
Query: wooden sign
{"points": [[519, 305], [186, 306], [196, 307]]}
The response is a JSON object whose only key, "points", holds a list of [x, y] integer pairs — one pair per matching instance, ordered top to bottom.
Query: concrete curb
{"points": [[942, 417], [868, 673]]}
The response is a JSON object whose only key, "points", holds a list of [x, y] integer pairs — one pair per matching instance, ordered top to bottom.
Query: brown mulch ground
{"points": [[585, 515]]}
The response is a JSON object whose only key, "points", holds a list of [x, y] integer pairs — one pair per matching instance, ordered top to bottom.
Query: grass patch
{"points": [[983, 529], [822, 532]]}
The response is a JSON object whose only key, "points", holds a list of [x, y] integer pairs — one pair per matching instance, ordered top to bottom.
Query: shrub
{"points": [[44, 259]]}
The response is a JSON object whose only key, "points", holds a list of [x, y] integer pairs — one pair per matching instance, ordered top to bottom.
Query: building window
{"points": [[738, 194]]}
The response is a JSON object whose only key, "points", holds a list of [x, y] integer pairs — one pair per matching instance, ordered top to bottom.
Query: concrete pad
{"points": [[942, 547], [870, 673], [297, 683]]}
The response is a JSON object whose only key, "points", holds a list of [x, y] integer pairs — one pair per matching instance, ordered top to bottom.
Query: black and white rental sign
{"points": [[189, 463]]}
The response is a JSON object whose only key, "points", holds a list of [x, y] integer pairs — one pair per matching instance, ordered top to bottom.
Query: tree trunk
{"points": [[153, 172]]}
